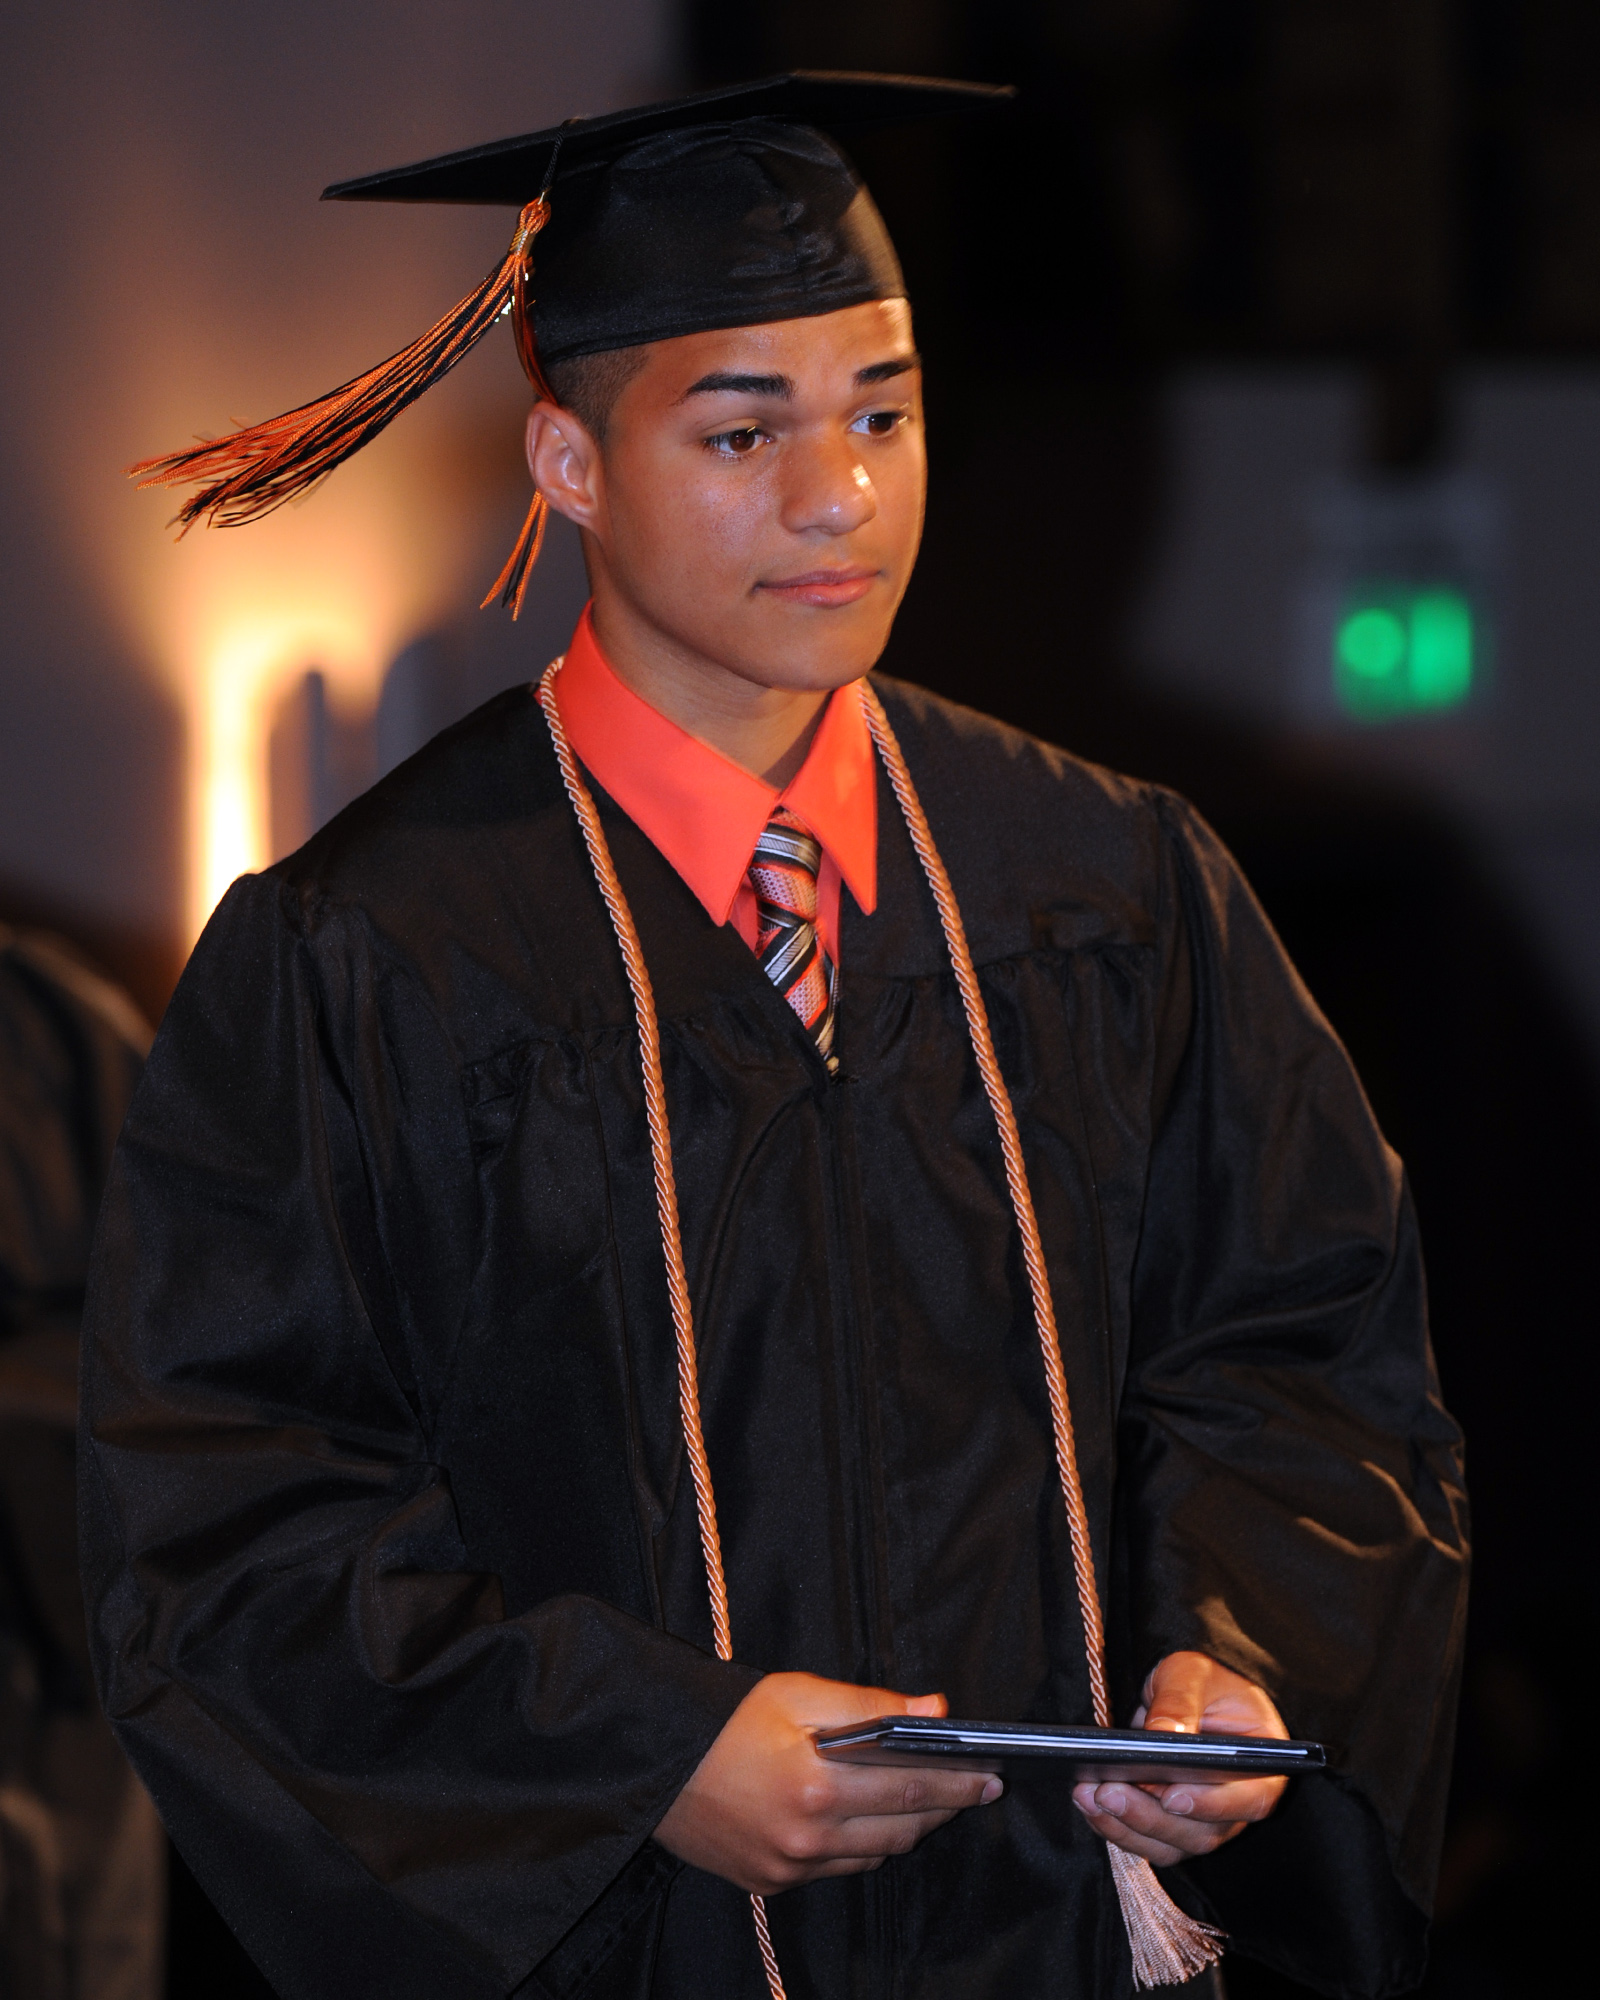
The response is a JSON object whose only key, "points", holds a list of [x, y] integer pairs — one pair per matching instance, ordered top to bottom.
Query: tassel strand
{"points": [[254, 470], [511, 585]]}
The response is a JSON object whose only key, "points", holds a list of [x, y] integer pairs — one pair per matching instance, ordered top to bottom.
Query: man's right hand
{"points": [[765, 1811]]}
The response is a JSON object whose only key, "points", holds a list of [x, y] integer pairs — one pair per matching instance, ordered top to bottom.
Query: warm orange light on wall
{"points": [[173, 273], [390, 547], [233, 616], [233, 694]]}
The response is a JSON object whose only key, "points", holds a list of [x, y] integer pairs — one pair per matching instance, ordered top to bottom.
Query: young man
{"points": [[406, 1457]]}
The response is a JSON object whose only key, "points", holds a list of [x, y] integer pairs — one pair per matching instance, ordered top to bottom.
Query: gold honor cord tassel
{"points": [[1167, 1945]]}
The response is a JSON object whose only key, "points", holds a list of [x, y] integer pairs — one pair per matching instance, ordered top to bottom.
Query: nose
{"points": [[829, 489]]}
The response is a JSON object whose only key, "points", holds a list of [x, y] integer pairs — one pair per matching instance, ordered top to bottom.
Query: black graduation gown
{"points": [[391, 1556]]}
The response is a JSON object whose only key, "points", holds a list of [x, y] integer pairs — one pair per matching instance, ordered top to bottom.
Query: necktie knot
{"points": [[783, 871], [783, 874]]}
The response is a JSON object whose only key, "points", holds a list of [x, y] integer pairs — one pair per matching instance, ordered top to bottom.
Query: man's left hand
{"points": [[1168, 1823]]}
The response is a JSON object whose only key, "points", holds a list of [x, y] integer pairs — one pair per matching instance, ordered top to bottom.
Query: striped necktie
{"points": [[783, 874]]}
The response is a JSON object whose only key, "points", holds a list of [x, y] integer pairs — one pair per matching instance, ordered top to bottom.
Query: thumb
{"points": [[1176, 1693], [885, 1701], [820, 1704]]}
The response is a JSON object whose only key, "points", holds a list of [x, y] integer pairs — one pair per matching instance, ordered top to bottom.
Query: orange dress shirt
{"points": [[705, 812]]}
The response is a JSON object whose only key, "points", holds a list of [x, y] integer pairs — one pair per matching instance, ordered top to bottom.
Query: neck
{"points": [[765, 730]]}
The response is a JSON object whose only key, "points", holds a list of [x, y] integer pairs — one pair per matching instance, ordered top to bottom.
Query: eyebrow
{"points": [[885, 371], [723, 382], [729, 382]]}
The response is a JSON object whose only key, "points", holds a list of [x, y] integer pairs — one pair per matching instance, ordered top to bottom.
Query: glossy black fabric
{"points": [[509, 172], [730, 208], [724, 225], [391, 1558]]}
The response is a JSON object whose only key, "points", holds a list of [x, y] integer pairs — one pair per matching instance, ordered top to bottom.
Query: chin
{"points": [[826, 649], [816, 670]]}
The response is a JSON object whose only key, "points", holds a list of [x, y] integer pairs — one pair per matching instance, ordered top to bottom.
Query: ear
{"points": [[565, 462]]}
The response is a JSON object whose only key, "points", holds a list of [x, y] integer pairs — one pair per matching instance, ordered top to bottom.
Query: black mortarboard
{"points": [[730, 208]]}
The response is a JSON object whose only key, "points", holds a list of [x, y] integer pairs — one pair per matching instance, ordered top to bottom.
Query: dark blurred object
{"points": [[142, 963], [82, 1855], [88, 1907]]}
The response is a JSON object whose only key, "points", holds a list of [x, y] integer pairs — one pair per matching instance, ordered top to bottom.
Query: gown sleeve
{"points": [[1290, 1483], [386, 1783]]}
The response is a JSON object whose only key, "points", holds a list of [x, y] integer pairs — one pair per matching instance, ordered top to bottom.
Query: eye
{"points": [[879, 423], [736, 444]]}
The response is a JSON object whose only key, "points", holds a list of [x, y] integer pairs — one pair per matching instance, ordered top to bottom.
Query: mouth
{"points": [[823, 586]]}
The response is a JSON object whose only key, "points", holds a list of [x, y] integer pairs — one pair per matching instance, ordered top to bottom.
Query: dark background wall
{"points": [[1227, 255]]}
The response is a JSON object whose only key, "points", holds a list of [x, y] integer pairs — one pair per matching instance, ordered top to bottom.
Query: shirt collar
{"points": [[703, 811]]}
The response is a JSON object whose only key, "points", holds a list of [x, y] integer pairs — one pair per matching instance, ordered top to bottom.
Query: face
{"points": [[758, 501]]}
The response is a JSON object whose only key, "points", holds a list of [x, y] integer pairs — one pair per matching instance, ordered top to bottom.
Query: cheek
{"points": [[902, 485], [687, 523]]}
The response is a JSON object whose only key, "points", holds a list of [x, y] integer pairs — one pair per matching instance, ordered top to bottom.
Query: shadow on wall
{"points": [[322, 756], [92, 840]]}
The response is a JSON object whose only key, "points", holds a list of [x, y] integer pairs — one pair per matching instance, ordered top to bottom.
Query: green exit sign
{"points": [[1400, 650]]}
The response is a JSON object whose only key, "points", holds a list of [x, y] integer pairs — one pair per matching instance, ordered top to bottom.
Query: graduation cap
{"points": [[734, 207]]}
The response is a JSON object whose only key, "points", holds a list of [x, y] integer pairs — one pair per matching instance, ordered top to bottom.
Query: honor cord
{"points": [[1167, 1945]]}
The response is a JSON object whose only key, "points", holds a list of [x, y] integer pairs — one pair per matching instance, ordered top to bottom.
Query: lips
{"points": [[823, 586]]}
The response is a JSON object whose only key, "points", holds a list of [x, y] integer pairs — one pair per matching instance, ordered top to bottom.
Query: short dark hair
{"points": [[589, 384]]}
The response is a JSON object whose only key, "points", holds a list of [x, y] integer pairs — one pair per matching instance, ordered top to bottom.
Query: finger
{"points": [[1175, 1694], [887, 1701], [839, 1704], [926, 1704], [879, 1790], [1245, 1799], [1127, 1815], [1189, 1841], [850, 1847], [1161, 1854], [844, 1867], [794, 1874]]}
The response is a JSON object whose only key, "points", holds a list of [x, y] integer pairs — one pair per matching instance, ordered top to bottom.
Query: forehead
{"points": [[819, 350]]}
